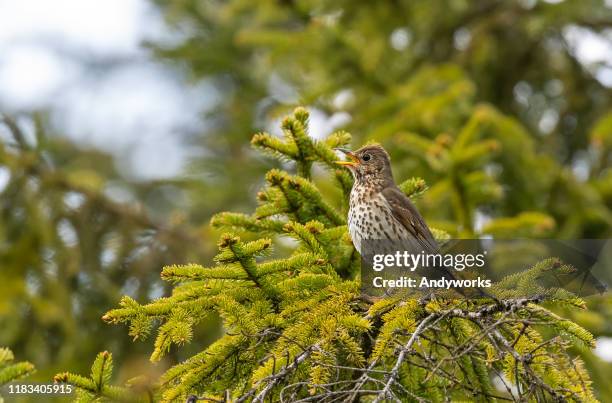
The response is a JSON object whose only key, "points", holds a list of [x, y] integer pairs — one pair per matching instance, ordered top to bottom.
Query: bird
{"points": [[378, 209], [381, 218]]}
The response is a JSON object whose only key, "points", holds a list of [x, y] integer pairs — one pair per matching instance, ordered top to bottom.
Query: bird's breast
{"points": [[370, 217]]}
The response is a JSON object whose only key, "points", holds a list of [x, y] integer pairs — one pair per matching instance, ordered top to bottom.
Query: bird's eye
{"points": [[366, 157]]}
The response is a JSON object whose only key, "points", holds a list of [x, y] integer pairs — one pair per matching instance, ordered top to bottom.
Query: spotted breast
{"points": [[371, 217]]}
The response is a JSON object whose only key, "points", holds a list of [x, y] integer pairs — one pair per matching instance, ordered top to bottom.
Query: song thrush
{"points": [[378, 208], [380, 211]]}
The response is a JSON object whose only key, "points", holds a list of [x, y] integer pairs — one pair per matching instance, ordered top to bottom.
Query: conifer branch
{"points": [[11, 371], [392, 378], [274, 379], [97, 385]]}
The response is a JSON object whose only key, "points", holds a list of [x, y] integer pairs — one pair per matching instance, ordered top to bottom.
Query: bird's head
{"points": [[369, 163]]}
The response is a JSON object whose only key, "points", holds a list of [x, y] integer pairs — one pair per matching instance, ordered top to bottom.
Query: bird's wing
{"points": [[404, 211]]}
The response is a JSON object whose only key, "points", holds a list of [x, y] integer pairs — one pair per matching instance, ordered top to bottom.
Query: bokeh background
{"points": [[126, 126]]}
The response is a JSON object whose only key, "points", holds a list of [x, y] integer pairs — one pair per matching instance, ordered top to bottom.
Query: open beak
{"points": [[354, 161]]}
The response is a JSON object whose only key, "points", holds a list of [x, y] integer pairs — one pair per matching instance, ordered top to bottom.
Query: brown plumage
{"points": [[378, 208], [380, 211]]}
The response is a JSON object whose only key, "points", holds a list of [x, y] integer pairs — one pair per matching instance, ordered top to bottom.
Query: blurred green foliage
{"points": [[485, 100], [74, 237]]}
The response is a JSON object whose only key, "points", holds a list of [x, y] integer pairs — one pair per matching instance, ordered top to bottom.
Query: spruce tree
{"points": [[298, 329]]}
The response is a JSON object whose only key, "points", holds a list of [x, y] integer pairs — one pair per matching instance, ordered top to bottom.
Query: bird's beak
{"points": [[354, 160]]}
